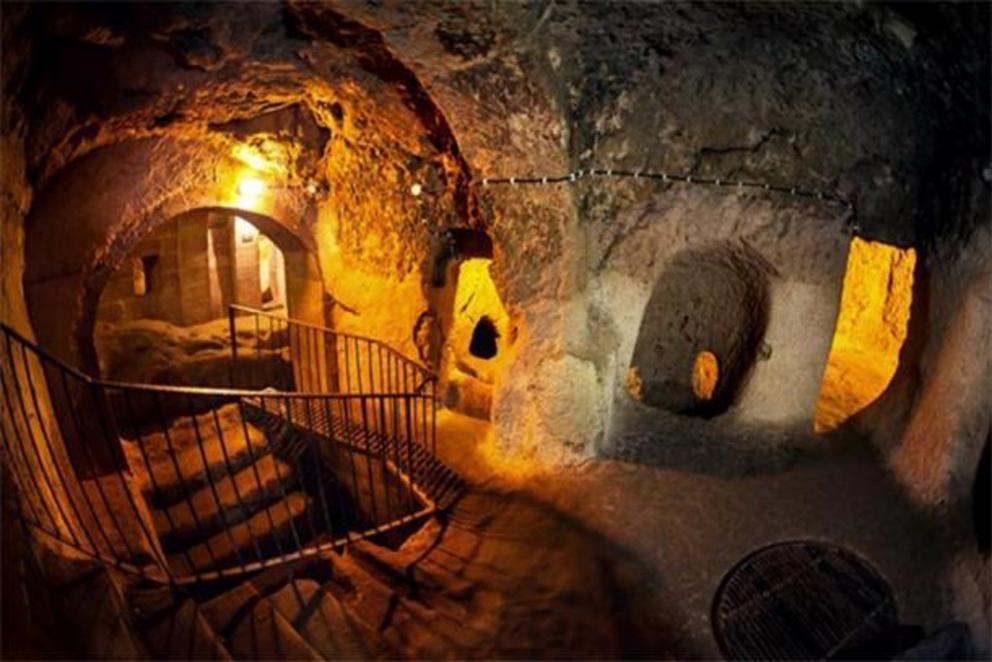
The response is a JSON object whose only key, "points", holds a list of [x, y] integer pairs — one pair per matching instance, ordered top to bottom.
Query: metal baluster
{"points": [[258, 349], [315, 359], [300, 363], [271, 364], [347, 365], [356, 366], [368, 367], [294, 379], [405, 389], [157, 397], [287, 402], [191, 409], [423, 412], [433, 416], [77, 426], [140, 441], [397, 442], [20, 443], [34, 446], [409, 448], [351, 449], [315, 451], [383, 455], [368, 456], [397, 458], [56, 461], [15, 468], [258, 477], [279, 481], [234, 483], [342, 509]]}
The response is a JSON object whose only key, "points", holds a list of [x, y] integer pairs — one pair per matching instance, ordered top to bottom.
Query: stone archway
{"points": [[78, 233], [204, 259]]}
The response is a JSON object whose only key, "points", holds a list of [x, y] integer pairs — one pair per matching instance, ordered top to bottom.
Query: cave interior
{"points": [[551, 329]]}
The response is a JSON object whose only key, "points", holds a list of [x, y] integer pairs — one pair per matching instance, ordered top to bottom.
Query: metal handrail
{"points": [[342, 334], [210, 390], [91, 457]]}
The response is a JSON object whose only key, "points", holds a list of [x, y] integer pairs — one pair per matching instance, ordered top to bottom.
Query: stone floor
{"points": [[666, 536]]}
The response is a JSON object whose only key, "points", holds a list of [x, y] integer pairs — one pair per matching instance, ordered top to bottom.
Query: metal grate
{"points": [[800, 600]]}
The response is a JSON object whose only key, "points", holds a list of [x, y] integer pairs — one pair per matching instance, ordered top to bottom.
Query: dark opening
{"points": [[148, 264], [483, 344], [981, 501]]}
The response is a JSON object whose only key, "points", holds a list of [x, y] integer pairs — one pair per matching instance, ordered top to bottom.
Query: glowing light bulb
{"points": [[251, 187], [416, 190]]}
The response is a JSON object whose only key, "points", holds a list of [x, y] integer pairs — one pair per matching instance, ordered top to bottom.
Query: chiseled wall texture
{"points": [[113, 123], [110, 130]]}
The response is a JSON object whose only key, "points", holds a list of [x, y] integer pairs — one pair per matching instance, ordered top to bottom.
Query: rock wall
{"points": [[173, 106], [363, 120], [371, 127]]}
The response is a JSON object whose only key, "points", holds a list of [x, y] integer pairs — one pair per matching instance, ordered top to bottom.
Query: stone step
{"points": [[226, 448], [231, 500], [224, 549], [369, 599], [94, 606], [319, 618], [254, 629], [183, 633]]}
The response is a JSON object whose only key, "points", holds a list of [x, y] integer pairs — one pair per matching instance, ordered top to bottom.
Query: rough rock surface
{"points": [[116, 119]]}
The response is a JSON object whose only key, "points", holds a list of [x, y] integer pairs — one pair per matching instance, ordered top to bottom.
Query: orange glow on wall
{"points": [[477, 303], [871, 328], [478, 341]]}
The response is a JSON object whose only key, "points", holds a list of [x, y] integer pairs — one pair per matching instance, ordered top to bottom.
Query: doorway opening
{"points": [[162, 316], [871, 328], [477, 341]]}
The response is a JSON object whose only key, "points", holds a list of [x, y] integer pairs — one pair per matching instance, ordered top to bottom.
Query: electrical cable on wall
{"points": [[738, 184]]}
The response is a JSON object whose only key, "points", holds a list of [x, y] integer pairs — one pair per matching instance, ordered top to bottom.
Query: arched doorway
{"points": [[161, 317]]}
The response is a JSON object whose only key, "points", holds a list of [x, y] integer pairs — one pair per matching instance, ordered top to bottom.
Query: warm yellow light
{"points": [[255, 159], [251, 187], [244, 230], [476, 297], [871, 328], [705, 375]]}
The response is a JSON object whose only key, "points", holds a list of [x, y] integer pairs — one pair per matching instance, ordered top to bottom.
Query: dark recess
{"points": [[484, 336], [981, 501]]}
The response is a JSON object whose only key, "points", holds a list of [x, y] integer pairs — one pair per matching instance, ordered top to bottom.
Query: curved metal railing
{"points": [[330, 441]]}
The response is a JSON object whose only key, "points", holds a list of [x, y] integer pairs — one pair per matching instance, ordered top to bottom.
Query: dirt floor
{"points": [[620, 556], [623, 558]]}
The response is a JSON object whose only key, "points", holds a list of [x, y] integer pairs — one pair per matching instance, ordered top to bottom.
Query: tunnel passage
{"points": [[206, 259], [162, 315], [872, 326], [701, 330], [477, 338]]}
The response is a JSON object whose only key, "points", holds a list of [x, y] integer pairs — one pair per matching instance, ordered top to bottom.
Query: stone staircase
{"points": [[241, 483], [442, 485], [227, 494], [328, 607]]}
